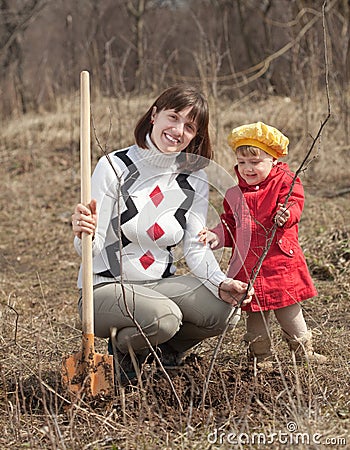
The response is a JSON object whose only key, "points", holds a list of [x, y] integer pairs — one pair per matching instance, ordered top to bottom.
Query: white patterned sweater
{"points": [[158, 209]]}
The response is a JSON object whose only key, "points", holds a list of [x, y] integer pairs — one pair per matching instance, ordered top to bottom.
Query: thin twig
{"points": [[16, 322]]}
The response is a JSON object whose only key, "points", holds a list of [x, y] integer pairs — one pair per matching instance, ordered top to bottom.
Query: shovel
{"points": [[86, 372]]}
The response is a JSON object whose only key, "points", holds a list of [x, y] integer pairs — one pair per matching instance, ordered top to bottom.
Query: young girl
{"points": [[283, 280]]}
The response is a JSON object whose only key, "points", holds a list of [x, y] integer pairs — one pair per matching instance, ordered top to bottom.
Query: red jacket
{"points": [[248, 215]]}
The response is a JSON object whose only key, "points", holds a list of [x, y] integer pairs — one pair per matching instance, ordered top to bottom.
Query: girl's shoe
{"points": [[303, 349], [259, 351]]}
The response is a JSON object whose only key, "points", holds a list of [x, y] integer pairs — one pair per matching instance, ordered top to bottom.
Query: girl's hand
{"points": [[282, 215], [84, 219], [208, 237], [231, 291]]}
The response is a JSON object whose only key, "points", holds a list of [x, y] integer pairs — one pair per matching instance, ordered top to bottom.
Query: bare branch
{"points": [[28, 15], [254, 72]]}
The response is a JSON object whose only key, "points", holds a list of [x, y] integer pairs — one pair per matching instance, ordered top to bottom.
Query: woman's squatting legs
{"points": [[158, 316]]}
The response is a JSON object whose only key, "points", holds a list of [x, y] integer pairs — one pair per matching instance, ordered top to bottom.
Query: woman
{"points": [[148, 198]]}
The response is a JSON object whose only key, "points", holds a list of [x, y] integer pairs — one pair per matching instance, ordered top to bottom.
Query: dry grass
{"points": [[39, 322]]}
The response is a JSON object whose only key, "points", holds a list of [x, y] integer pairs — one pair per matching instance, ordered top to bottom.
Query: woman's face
{"points": [[172, 131], [254, 169]]}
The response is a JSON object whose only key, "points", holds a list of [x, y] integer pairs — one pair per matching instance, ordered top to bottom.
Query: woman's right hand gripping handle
{"points": [[84, 219]]}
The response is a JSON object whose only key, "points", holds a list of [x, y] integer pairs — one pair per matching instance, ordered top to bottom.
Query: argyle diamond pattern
{"points": [[156, 196], [155, 232], [147, 260]]}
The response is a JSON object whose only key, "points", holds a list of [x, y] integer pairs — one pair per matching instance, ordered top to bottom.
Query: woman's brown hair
{"points": [[199, 152]]}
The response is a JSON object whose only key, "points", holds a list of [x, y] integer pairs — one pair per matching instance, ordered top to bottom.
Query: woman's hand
{"points": [[84, 219], [208, 237], [231, 291]]}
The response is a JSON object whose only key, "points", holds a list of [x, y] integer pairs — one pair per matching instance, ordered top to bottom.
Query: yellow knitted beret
{"points": [[265, 137]]}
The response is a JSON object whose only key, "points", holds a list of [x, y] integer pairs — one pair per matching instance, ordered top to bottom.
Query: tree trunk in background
{"points": [[138, 13], [15, 23], [345, 35], [12, 56]]}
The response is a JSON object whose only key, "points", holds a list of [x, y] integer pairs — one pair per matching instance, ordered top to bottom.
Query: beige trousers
{"points": [[178, 310], [290, 318]]}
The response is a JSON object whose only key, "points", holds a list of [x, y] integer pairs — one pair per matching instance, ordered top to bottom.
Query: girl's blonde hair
{"points": [[248, 150]]}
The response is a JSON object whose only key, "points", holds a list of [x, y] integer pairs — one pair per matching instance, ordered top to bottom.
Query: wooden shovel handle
{"points": [[85, 171]]}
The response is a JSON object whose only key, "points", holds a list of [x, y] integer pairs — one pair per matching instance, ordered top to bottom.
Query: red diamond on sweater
{"points": [[156, 196], [155, 231], [147, 259]]}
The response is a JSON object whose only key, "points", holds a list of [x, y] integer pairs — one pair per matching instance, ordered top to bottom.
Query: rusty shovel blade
{"points": [[88, 373]]}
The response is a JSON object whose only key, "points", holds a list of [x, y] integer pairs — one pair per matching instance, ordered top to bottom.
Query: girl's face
{"points": [[172, 131], [254, 169]]}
